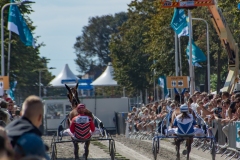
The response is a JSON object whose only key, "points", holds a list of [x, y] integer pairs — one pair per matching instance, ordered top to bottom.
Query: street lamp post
{"points": [[2, 31], [208, 54], [40, 77]]}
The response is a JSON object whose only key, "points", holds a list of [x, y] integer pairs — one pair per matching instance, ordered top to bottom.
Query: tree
{"points": [[147, 32], [93, 43], [24, 60], [131, 61]]}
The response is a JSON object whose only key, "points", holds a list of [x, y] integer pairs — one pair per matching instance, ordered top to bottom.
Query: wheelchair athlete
{"points": [[81, 126]]}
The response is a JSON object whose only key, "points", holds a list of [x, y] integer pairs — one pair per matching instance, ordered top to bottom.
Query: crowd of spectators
{"points": [[223, 107], [20, 137]]}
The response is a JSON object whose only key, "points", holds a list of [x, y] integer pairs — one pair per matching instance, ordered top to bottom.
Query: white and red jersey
{"points": [[81, 126]]}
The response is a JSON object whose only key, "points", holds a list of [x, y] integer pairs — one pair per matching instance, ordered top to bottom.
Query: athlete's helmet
{"points": [[184, 108]]}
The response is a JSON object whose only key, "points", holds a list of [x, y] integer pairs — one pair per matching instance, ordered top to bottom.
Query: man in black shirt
{"points": [[32, 113]]}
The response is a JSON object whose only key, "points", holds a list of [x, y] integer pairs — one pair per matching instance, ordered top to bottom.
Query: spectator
{"points": [[197, 94], [225, 95], [186, 96], [210, 96], [5, 97], [205, 101], [169, 102], [194, 104], [4, 105], [157, 106], [225, 106], [10, 109], [154, 109], [159, 109], [218, 109], [134, 111], [17, 114], [233, 116], [3, 118], [30, 121], [7, 141], [30, 144], [5, 154]]}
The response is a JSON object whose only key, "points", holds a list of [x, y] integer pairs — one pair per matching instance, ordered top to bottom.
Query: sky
{"points": [[59, 22]]}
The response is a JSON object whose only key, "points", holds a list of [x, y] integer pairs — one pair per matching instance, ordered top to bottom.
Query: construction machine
{"points": [[223, 32]]}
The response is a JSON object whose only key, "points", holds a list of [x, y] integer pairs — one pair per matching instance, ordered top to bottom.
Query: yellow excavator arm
{"points": [[229, 44]]}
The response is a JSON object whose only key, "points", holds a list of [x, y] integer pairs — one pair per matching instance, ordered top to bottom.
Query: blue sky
{"points": [[59, 22]]}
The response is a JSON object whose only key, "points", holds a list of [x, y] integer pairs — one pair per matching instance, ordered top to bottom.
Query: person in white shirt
{"points": [[194, 104]]}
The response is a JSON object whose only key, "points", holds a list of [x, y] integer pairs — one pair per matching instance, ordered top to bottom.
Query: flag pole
{"points": [[2, 37], [2, 40], [9, 53], [176, 54], [190, 54], [180, 55], [193, 66]]}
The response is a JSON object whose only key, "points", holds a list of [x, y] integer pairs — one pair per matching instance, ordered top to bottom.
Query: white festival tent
{"points": [[65, 74], [106, 78]]}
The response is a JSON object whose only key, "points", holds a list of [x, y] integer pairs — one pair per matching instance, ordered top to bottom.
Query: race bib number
{"points": [[82, 119]]}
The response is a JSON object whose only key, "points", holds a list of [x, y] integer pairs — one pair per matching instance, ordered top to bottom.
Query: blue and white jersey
{"points": [[185, 126]]}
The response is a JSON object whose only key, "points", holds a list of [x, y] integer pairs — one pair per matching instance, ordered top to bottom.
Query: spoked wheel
{"points": [[53, 148], [112, 149], [155, 149], [213, 149], [54, 152]]}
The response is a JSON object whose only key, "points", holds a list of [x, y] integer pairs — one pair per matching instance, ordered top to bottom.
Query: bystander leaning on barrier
{"points": [[233, 112]]}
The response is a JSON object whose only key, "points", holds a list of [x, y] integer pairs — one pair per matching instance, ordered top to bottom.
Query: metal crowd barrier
{"points": [[230, 152]]}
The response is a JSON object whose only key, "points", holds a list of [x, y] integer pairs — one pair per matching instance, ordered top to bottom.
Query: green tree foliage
{"points": [[148, 32], [145, 42], [92, 46], [24, 60], [131, 60]]}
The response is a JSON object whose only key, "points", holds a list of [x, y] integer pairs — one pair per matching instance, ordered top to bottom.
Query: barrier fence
{"points": [[232, 151]]}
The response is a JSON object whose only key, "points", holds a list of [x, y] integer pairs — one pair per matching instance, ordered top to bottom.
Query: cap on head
{"points": [[81, 106], [184, 108], [31, 144]]}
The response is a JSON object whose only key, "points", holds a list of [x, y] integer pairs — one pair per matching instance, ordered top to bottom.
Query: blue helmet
{"points": [[184, 108]]}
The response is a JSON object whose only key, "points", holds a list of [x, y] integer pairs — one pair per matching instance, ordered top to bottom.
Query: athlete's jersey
{"points": [[81, 126], [185, 126]]}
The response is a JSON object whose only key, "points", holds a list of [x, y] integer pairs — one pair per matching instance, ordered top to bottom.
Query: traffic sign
{"points": [[69, 81], [4, 82], [177, 82], [84, 84]]}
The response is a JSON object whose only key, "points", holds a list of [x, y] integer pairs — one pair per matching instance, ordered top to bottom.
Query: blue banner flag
{"points": [[179, 22], [17, 24], [197, 54], [163, 83], [10, 92]]}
